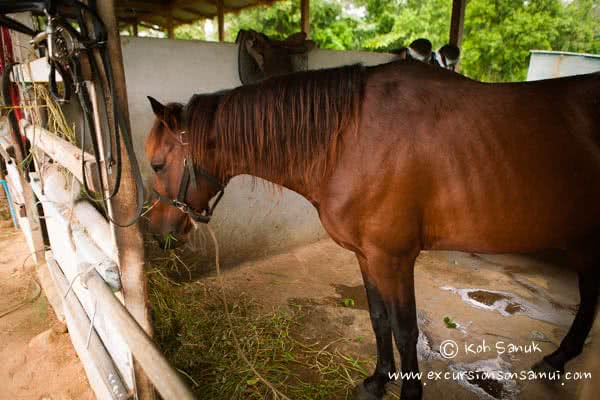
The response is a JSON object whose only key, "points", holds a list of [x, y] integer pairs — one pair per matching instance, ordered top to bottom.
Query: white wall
{"points": [[251, 220]]}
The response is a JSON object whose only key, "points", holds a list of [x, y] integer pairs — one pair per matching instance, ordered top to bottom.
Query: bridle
{"points": [[188, 178]]}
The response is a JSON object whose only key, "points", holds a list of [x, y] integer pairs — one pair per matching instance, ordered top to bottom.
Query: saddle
{"points": [[260, 57]]}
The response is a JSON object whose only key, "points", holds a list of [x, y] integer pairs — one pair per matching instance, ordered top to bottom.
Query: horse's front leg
{"points": [[392, 279], [374, 386]]}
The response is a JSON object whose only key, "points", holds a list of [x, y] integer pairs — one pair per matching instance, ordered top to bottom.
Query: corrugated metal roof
{"points": [[159, 12]]}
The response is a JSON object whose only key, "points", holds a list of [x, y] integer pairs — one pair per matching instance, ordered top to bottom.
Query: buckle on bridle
{"points": [[189, 176]]}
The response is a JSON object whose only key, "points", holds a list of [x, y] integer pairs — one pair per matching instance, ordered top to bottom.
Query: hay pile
{"points": [[192, 330]]}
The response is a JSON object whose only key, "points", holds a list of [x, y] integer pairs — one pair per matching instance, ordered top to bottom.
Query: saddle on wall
{"points": [[260, 57]]}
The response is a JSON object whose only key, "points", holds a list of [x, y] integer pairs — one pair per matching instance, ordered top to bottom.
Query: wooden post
{"points": [[305, 16], [221, 20], [457, 23], [170, 27], [129, 240]]}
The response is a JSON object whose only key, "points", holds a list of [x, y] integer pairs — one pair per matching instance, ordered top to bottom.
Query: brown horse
{"points": [[394, 166]]}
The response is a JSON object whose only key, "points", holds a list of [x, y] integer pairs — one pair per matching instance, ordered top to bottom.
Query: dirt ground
{"points": [[473, 300], [497, 302], [37, 360]]}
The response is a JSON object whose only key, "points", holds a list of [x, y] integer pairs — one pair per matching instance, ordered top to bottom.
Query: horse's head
{"points": [[181, 191]]}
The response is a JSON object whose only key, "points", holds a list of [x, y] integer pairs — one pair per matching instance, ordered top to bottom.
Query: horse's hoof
{"points": [[547, 371], [411, 392], [361, 393]]}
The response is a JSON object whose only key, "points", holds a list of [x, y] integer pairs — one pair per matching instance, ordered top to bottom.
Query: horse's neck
{"points": [[280, 178]]}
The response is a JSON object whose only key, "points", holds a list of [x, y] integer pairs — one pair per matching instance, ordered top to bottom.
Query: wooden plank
{"points": [[457, 22], [37, 70], [6, 147], [63, 152], [52, 195], [27, 214], [58, 222], [100, 369], [167, 381]]}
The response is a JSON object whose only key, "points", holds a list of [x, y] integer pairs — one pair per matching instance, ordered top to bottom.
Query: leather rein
{"points": [[188, 178]]}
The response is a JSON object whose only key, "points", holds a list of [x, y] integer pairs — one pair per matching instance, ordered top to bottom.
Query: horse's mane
{"points": [[284, 126]]}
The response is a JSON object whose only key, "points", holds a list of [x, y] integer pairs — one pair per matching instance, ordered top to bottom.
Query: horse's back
{"points": [[501, 167]]}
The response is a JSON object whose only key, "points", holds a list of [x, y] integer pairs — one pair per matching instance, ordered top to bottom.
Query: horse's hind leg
{"points": [[572, 344]]}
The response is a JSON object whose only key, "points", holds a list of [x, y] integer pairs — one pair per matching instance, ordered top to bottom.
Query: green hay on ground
{"points": [[192, 330]]}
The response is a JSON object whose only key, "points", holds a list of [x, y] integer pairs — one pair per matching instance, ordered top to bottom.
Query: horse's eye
{"points": [[157, 167]]}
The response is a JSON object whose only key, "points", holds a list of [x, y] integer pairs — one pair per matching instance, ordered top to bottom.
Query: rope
{"points": [[77, 275], [26, 301], [236, 342]]}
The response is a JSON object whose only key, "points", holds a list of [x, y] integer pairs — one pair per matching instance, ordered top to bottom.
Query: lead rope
{"points": [[236, 342]]}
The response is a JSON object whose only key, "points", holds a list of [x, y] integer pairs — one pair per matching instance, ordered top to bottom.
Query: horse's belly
{"points": [[522, 216]]}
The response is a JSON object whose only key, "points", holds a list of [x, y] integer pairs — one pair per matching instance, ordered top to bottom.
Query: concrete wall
{"points": [[252, 220]]}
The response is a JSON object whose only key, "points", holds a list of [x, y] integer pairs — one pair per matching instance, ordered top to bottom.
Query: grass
{"points": [[192, 329]]}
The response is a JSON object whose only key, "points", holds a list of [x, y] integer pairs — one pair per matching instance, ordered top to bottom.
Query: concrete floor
{"points": [[495, 301]]}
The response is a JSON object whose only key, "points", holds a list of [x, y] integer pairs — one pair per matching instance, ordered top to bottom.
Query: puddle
{"points": [[356, 293], [485, 297], [508, 304], [512, 308], [486, 378]]}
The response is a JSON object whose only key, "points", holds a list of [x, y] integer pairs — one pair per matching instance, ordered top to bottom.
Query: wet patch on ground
{"points": [[351, 296], [485, 297], [489, 298], [508, 304], [424, 350], [486, 378]]}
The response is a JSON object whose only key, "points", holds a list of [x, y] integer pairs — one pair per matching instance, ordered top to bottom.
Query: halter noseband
{"points": [[189, 176]]}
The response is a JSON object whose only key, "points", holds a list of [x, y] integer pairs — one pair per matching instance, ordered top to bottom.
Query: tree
{"points": [[330, 28], [498, 34]]}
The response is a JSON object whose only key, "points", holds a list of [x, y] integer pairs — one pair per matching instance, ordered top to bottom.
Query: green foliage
{"points": [[394, 24], [330, 28], [193, 31], [498, 34], [348, 302], [449, 323]]}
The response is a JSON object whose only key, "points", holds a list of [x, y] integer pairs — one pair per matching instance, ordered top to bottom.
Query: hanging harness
{"points": [[64, 45]]}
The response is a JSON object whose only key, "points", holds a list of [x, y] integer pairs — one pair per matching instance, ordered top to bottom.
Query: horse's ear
{"points": [[157, 108]]}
